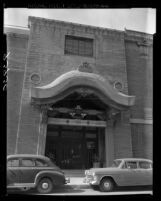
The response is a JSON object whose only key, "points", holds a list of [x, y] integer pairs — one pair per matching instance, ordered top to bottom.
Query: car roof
{"points": [[27, 156], [134, 159]]}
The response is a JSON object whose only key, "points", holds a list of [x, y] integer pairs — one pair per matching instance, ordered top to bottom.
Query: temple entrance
{"points": [[78, 112], [76, 131], [74, 147]]}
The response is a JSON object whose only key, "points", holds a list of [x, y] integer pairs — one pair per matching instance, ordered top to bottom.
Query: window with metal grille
{"points": [[78, 46]]}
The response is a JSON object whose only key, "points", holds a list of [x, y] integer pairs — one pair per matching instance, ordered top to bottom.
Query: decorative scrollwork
{"points": [[85, 67], [35, 78], [118, 85], [78, 113]]}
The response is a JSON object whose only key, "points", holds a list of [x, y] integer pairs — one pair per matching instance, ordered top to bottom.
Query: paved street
{"points": [[77, 187]]}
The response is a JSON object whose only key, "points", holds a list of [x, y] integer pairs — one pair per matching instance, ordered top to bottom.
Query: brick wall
{"points": [[17, 47], [46, 54], [46, 57], [139, 57], [115, 58], [139, 60], [122, 136], [142, 140]]}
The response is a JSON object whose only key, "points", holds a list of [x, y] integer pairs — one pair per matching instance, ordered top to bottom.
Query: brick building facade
{"points": [[79, 92]]}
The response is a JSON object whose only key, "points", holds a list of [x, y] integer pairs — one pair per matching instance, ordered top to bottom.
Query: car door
{"points": [[27, 170], [13, 172], [145, 173], [129, 174]]}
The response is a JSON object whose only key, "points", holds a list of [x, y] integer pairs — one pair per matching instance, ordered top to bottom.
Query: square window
{"points": [[78, 46]]}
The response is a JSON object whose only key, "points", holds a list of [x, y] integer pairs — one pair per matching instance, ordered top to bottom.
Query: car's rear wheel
{"points": [[45, 185], [107, 185]]}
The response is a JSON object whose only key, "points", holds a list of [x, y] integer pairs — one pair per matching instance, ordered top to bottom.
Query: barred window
{"points": [[78, 46]]}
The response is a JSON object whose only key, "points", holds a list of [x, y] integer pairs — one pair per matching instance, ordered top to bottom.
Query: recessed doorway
{"points": [[74, 147]]}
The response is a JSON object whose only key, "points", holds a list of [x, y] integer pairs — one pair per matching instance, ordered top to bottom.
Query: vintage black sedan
{"points": [[25, 171], [124, 172]]}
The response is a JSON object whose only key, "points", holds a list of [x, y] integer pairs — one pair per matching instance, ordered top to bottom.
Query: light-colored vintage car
{"points": [[25, 171], [123, 172]]}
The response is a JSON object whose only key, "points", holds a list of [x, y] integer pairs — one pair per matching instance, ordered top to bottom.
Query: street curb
{"points": [[82, 186]]}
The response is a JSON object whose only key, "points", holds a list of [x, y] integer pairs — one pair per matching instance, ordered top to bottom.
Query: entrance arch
{"points": [[75, 79], [80, 86]]}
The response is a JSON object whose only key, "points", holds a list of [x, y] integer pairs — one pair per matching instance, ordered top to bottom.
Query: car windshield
{"points": [[116, 163]]}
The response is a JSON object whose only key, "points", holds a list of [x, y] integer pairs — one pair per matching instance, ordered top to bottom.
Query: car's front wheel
{"points": [[45, 185], [107, 185]]}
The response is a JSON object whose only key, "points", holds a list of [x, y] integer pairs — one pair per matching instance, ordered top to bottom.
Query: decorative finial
{"points": [[85, 67]]}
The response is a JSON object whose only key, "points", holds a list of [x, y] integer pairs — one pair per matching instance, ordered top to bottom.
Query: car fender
{"points": [[109, 176], [56, 177]]}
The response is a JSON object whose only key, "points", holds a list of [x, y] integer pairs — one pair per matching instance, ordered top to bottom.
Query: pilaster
{"points": [[42, 130], [109, 143]]}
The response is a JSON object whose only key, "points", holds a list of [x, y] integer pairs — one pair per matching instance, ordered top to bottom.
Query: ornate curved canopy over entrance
{"points": [[82, 82], [78, 106]]}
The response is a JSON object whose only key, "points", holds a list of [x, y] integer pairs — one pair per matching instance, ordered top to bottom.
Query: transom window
{"points": [[78, 46]]}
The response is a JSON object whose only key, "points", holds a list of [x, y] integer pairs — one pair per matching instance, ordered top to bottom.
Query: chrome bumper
{"points": [[67, 180], [90, 181]]}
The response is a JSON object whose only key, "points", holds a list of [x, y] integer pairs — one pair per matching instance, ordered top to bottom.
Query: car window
{"points": [[13, 163], [28, 163], [41, 163], [116, 163], [131, 165], [144, 165]]}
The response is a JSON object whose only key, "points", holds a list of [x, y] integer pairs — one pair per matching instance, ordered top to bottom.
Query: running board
{"points": [[24, 185]]}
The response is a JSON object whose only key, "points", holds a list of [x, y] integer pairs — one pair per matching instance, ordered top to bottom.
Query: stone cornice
{"points": [[74, 26], [16, 29], [17, 32], [16, 35], [134, 36], [142, 39]]}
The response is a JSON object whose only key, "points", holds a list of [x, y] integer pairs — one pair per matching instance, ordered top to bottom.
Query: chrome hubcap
{"points": [[45, 185], [107, 185]]}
